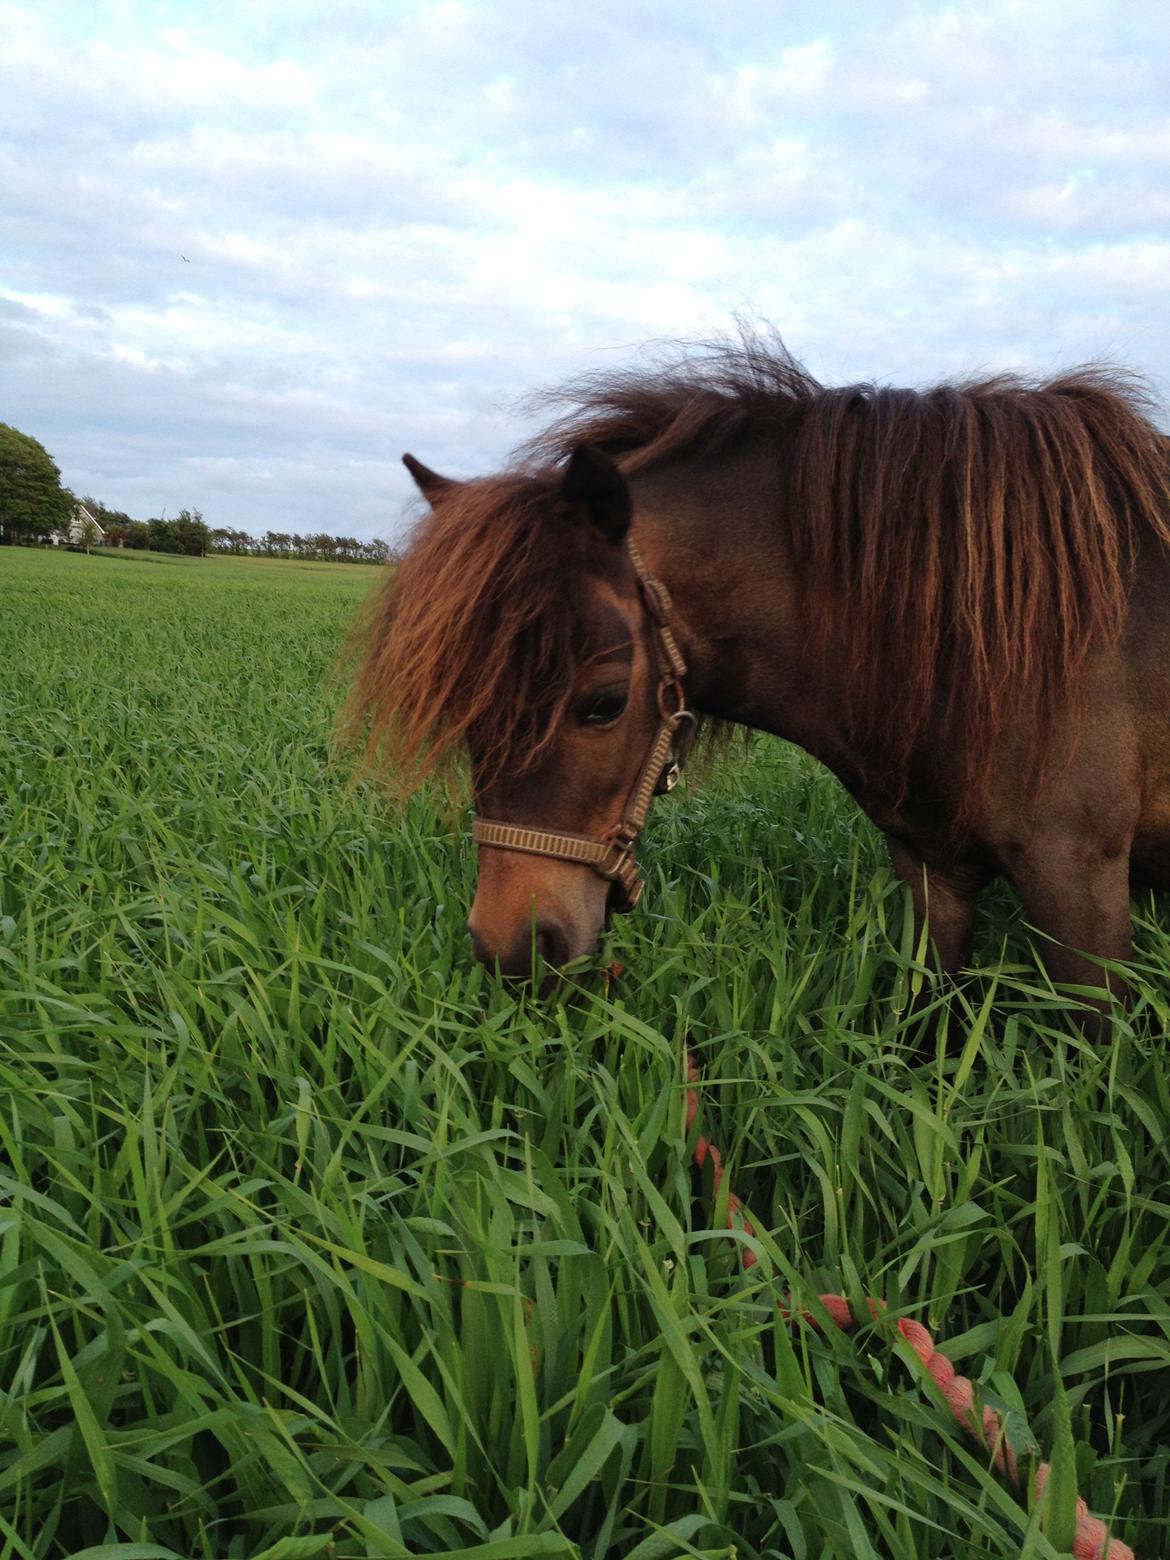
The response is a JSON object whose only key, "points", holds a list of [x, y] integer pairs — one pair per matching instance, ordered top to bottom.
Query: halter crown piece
{"points": [[612, 856]]}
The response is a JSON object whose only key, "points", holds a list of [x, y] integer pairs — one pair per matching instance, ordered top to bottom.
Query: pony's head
{"points": [[517, 632]]}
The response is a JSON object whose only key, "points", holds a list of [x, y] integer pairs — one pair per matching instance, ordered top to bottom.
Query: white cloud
{"points": [[397, 221]]}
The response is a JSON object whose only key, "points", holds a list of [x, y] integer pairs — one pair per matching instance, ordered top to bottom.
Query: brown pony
{"points": [[957, 599]]}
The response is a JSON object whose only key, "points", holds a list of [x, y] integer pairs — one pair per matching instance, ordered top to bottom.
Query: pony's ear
{"points": [[429, 483], [593, 483]]}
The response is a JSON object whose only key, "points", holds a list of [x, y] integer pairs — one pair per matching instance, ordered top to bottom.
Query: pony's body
{"points": [[959, 601], [1097, 814]]}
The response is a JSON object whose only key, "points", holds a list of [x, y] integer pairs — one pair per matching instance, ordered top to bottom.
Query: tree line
{"points": [[34, 506], [36, 509], [186, 533], [189, 533], [320, 547]]}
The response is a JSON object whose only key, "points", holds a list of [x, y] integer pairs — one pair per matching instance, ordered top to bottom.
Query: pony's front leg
{"points": [[944, 902]]}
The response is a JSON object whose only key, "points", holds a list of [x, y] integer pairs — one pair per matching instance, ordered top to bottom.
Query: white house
{"points": [[82, 518]]}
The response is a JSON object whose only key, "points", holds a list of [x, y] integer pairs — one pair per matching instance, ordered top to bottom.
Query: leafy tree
{"points": [[33, 504], [105, 516], [88, 532], [191, 533], [163, 536], [225, 539]]}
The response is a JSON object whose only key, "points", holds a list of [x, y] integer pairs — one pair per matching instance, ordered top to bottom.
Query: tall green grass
{"points": [[315, 1241]]}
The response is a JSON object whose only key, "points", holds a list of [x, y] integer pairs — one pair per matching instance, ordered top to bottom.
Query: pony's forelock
{"points": [[473, 640]]}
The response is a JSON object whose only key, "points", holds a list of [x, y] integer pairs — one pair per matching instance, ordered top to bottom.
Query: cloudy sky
{"points": [[252, 251]]}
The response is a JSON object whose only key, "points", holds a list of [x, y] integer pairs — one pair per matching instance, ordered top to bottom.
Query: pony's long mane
{"points": [[977, 539], [475, 636]]}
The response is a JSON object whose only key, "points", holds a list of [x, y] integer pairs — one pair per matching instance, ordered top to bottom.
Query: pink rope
{"points": [[1092, 1541]]}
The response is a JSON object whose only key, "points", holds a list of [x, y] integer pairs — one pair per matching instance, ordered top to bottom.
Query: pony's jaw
{"points": [[530, 905]]}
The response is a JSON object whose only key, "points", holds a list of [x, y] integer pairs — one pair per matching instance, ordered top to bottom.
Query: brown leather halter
{"points": [[612, 856]]}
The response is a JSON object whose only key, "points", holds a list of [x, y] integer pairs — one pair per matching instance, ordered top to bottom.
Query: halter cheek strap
{"points": [[612, 855]]}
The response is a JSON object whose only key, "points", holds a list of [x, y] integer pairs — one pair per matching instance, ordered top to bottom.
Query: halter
{"points": [[612, 856]]}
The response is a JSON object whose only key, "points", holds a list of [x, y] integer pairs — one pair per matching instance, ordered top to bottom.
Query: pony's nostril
{"points": [[547, 940], [551, 944]]}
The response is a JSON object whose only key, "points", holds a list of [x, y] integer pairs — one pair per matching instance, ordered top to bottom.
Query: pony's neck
{"points": [[709, 529]]}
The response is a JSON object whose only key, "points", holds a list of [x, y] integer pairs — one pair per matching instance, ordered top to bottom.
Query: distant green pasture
{"points": [[314, 1241]]}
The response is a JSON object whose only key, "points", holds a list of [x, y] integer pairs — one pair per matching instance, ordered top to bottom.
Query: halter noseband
{"points": [[612, 856]]}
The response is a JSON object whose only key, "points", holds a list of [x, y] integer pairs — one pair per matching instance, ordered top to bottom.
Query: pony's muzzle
{"points": [[529, 909], [545, 944]]}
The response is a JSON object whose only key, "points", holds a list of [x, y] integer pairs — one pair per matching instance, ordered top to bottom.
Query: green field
{"points": [[314, 1241]]}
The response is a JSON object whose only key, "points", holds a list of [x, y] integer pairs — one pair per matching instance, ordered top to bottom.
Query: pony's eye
{"points": [[601, 707]]}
